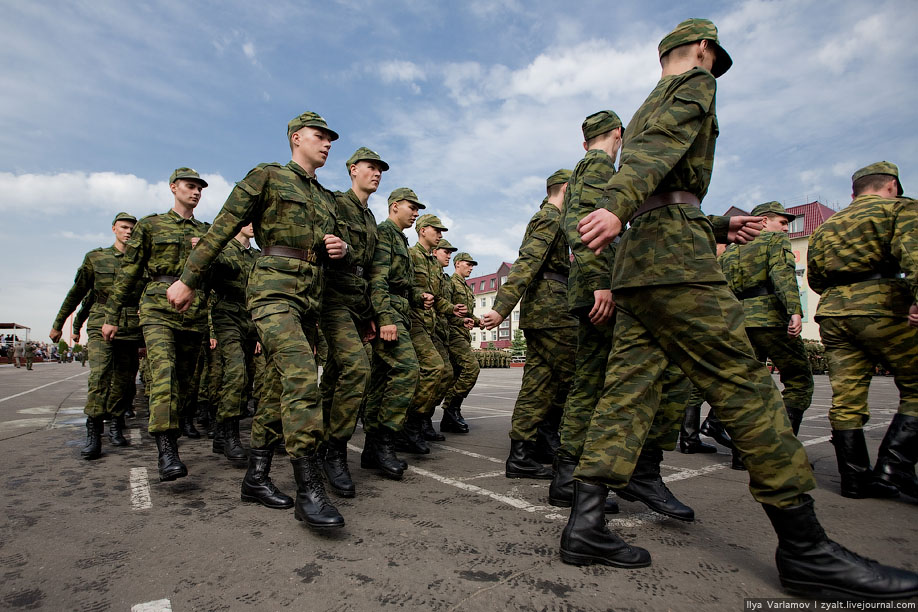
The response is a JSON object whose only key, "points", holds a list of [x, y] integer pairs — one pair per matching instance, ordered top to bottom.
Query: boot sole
{"points": [[91, 457], [382, 472], [530, 476], [171, 477], [633, 498], [255, 500], [560, 503], [319, 526], [578, 559], [810, 589]]}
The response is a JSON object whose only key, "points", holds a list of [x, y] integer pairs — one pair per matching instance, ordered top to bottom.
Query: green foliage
{"points": [[518, 346], [62, 347], [77, 348], [816, 353]]}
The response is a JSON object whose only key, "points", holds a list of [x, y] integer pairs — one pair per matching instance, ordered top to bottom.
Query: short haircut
{"points": [[677, 53], [599, 137], [871, 182], [555, 189]]}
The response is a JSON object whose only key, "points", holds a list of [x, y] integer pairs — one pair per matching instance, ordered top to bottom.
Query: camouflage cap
{"points": [[693, 30], [309, 119], [600, 123], [365, 154], [883, 167], [189, 174], [559, 176], [403, 193], [772, 207], [123, 216], [429, 220], [445, 245], [463, 256]]}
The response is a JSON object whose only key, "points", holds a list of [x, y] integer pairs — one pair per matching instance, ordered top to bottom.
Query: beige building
{"points": [[485, 290]]}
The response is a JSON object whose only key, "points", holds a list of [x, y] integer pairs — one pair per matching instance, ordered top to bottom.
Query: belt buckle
{"points": [[358, 270]]}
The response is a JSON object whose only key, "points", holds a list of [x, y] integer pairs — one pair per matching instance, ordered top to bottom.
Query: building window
{"points": [[796, 226], [503, 280], [492, 283], [481, 286], [484, 302], [516, 315], [505, 324], [505, 333], [493, 335], [474, 337]]}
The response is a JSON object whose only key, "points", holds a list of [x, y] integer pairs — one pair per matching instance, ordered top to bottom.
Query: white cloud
{"points": [[249, 50], [395, 70], [97, 237]]}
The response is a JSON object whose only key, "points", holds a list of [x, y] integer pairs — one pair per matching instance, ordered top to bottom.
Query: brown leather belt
{"points": [[669, 198], [307, 255], [554, 276], [164, 278]]}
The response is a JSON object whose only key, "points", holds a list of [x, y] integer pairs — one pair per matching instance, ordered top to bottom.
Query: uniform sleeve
{"points": [[651, 154], [237, 211], [904, 245], [534, 250], [136, 253], [815, 264], [595, 270], [782, 273], [82, 285], [380, 298], [83, 313]]}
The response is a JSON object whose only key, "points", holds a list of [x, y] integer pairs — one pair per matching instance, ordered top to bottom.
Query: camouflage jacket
{"points": [[668, 146], [585, 193], [287, 207], [871, 235], [159, 246], [543, 250], [766, 262], [230, 276], [428, 278], [347, 283], [91, 287], [392, 289], [462, 294], [445, 322]]}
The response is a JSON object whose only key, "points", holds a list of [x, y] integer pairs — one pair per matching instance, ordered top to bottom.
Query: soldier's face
{"points": [[314, 144], [366, 175], [187, 193], [405, 213], [776, 223], [122, 231], [248, 231], [442, 256], [464, 268]]}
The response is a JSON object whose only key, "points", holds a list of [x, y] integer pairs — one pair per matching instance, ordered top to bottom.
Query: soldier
{"points": [[293, 217], [443, 252], [539, 275], [762, 275], [674, 307], [867, 314], [347, 318], [16, 349], [29, 355], [463, 360], [110, 363]]}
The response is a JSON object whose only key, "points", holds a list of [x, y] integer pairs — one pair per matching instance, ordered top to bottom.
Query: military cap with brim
{"points": [[693, 30], [309, 119], [600, 123], [365, 154], [883, 167], [189, 174], [558, 177], [403, 193], [774, 208], [123, 216], [429, 220], [445, 245], [463, 256]]}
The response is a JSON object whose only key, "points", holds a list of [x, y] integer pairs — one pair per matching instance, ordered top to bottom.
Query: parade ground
{"points": [[455, 534]]}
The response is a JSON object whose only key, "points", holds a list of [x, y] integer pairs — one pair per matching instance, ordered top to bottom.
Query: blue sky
{"points": [[473, 104]]}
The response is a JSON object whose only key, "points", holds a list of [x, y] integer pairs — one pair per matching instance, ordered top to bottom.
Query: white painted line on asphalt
{"points": [[3, 399], [509, 399], [487, 409], [490, 416], [135, 437], [467, 453], [683, 474], [485, 475], [140, 496], [505, 499], [160, 605]]}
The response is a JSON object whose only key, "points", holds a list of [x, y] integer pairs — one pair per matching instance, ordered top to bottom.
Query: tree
{"points": [[518, 346], [62, 347]]}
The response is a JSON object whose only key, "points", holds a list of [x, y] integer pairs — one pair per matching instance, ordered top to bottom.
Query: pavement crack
{"points": [[495, 585]]}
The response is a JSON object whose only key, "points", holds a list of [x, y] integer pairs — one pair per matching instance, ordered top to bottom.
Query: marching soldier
{"points": [[443, 252], [464, 361]]}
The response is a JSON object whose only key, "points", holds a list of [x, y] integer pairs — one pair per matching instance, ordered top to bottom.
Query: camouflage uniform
{"points": [[674, 307], [29, 355], [465, 364]]}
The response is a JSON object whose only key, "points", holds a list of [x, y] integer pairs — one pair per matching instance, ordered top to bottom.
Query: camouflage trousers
{"points": [[700, 329], [236, 339], [594, 342], [854, 347], [172, 354], [789, 355], [29, 360], [465, 366], [431, 371], [112, 372], [346, 373], [258, 375], [146, 376], [547, 378], [393, 380], [446, 381], [205, 385], [289, 408]]}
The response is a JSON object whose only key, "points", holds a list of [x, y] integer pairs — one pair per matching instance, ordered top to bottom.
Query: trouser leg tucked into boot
{"points": [[796, 417], [452, 421], [186, 425], [713, 428], [116, 431], [430, 434], [219, 437], [689, 438], [410, 440], [547, 442], [232, 445], [93, 447], [898, 454], [381, 455], [170, 464], [522, 464], [336, 471], [857, 479], [257, 486], [646, 486], [561, 490], [312, 504], [586, 538], [812, 565]]}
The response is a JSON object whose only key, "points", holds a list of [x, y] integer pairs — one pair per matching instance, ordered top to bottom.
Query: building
{"points": [[485, 290]]}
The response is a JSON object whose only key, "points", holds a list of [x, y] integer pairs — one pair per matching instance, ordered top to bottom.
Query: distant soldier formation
{"points": [[631, 322]]}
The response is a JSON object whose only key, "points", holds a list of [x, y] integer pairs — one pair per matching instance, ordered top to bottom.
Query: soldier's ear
{"points": [[585, 148]]}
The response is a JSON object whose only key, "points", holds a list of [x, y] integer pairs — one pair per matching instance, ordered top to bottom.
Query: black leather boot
{"points": [[129, 413], [796, 417], [452, 421], [212, 422], [188, 428], [713, 428], [116, 431], [430, 434], [219, 437], [689, 438], [410, 439], [547, 442], [232, 445], [93, 447], [898, 454], [736, 462], [170, 464], [521, 464], [336, 471], [857, 479], [257, 486], [646, 486], [561, 490], [312, 504], [586, 538], [812, 565]]}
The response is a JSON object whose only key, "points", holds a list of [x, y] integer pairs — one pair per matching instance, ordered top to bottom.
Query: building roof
{"points": [[734, 211], [814, 214], [482, 284]]}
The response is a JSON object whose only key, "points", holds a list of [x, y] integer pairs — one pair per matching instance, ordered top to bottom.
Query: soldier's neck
{"points": [[303, 163], [362, 194], [186, 212], [244, 240], [119, 246]]}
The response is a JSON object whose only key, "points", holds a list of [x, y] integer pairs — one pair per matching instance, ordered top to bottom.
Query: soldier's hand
{"points": [[598, 229], [744, 229], [194, 242], [335, 247], [180, 296], [428, 300], [603, 306], [460, 310], [913, 315], [491, 319], [468, 323], [795, 326], [109, 331], [370, 331], [389, 333], [55, 335], [75, 337], [213, 343], [258, 348], [142, 353]]}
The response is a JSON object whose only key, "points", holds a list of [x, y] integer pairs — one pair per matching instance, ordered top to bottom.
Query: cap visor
{"points": [[722, 63]]}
